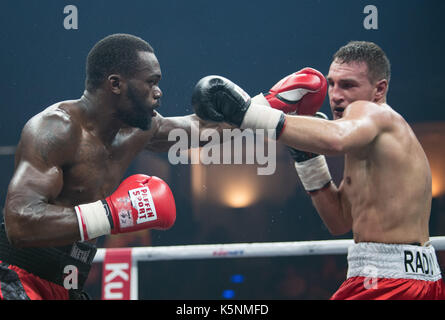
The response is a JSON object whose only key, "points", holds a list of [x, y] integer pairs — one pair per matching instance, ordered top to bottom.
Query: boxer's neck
{"points": [[99, 111]]}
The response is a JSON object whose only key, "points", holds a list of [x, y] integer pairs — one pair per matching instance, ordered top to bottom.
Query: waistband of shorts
{"points": [[393, 261], [70, 264]]}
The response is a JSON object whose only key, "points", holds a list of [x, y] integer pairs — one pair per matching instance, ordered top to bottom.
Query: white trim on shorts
{"points": [[393, 261]]}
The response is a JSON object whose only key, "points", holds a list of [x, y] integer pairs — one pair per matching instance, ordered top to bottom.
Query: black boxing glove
{"points": [[216, 98], [312, 168]]}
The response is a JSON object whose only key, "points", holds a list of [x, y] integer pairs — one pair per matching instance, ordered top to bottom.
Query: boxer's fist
{"points": [[301, 93], [216, 98], [140, 202]]}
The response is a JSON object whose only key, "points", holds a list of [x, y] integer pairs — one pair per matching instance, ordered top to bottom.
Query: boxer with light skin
{"points": [[377, 143], [69, 164], [385, 195]]}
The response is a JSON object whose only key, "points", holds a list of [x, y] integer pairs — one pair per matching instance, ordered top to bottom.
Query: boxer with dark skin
{"points": [[78, 151]]}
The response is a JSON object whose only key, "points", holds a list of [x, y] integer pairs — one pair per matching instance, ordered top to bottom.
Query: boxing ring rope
{"points": [[234, 250]]}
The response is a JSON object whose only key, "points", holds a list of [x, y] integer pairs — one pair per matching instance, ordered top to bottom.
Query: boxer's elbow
{"points": [[18, 225], [336, 225], [339, 226], [339, 230], [14, 236], [19, 239]]}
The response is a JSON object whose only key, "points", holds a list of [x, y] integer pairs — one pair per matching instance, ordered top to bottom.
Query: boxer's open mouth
{"points": [[339, 109], [338, 112]]}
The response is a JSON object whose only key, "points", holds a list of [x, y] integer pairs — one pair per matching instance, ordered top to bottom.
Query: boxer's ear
{"points": [[114, 83], [380, 90]]}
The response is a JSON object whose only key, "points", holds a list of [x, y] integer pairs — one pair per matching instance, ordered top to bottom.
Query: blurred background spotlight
{"points": [[237, 278], [228, 294]]}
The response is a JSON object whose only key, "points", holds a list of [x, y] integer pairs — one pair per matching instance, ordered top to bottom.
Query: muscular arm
{"points": [[361, 124], [164, 125], [334, 209], [31, 216]]}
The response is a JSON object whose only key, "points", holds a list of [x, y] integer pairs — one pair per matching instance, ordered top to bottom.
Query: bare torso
{"points": [[69, 155], [61, 162], [94, 169], [388, 187]]}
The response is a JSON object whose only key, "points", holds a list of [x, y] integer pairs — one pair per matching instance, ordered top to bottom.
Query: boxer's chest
{"points": [[95, 172]]}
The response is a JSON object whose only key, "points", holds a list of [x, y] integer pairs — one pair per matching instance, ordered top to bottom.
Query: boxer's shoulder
{"points": [[367, 108], [60, 116], [383, 116], [54, 132]]}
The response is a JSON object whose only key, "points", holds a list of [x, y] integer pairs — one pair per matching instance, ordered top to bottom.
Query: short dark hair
{"points": [[116, 53], [375, 58]]}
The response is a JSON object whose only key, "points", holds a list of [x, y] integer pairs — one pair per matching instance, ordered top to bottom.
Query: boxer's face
{"points": [[348, 82], [142, 94]]}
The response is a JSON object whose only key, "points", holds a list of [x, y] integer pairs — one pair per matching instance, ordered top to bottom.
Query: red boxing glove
{"points": [[301, 93], [140, 202]]}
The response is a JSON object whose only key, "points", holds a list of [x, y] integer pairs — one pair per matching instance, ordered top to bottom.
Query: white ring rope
{"points": [[245, 250]]}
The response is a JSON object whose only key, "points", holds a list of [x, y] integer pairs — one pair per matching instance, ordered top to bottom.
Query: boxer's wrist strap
{"points": [[260, 99], [260, 116], [314, 173], [93, 219]]}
